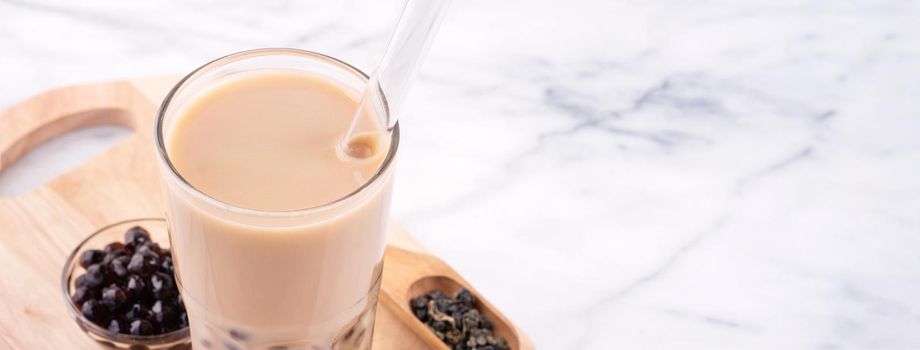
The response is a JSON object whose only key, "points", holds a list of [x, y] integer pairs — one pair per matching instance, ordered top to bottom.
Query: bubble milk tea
{"points": [[257, 267]]}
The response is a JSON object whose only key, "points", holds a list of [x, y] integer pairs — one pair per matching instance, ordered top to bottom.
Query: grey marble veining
{"points": [[612, 174]]}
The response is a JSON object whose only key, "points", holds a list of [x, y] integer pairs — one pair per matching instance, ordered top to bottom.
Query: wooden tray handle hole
{"points": [[48, 147]]}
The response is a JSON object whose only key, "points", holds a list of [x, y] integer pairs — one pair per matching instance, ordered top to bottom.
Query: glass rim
{"points": [[174, 174]]}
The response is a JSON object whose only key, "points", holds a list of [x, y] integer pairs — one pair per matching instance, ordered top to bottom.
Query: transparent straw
{"points": [[409, 44]]}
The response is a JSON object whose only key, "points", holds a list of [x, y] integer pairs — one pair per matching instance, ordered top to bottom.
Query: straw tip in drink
{"points": [[362, 146], [358, 149]]}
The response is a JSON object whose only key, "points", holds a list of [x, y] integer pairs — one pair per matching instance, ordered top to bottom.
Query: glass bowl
{"points": [[174, 340]]}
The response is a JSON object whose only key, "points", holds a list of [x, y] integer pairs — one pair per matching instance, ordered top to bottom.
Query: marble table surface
{"points": [[612, 174]]}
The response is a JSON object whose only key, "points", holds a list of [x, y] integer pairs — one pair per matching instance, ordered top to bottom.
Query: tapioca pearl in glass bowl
{"points": [[112, 237]]}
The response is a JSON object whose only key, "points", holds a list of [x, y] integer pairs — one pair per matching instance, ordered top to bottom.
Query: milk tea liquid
{"points": [[267, 141]]}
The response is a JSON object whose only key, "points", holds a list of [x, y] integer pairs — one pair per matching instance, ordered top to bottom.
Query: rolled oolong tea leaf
{"points": [[465, 297], [420, 309], [456, 321]]}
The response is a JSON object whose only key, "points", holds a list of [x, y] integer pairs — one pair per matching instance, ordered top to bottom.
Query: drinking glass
{"points": [[254, 279]]}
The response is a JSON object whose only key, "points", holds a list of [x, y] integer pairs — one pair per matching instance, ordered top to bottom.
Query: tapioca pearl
{"points": [[136, 236], [114, 247], [151, 248], [90, 257], [110, 257], [143, 264], [167, 265], [119, 266], [95, 275], [81, 282], [135, 286], [163, 286], [82, 294], [113, 297], [94, 311], [139, 312], [165, 316], [183, 320], [117, 325], [141, 327], [238, 335], [231, 346]]}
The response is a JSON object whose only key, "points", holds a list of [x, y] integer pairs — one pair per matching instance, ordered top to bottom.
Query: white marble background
{"points": [[612, 174]]}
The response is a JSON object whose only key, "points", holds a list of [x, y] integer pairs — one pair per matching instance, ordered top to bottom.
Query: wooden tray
{"points": [[41, 227]]}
